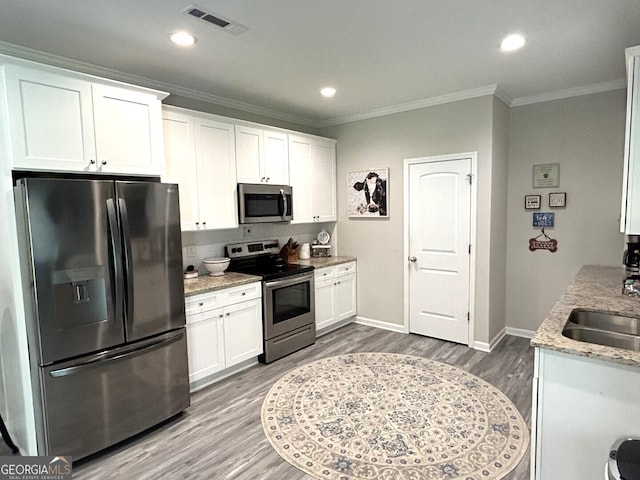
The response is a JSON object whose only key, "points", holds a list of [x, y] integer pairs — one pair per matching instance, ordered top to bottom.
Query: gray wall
{"points": [[464, 126], [585, 135]]}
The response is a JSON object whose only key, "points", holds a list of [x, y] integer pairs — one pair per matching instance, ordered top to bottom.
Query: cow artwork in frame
{"points": [[367, 194]]}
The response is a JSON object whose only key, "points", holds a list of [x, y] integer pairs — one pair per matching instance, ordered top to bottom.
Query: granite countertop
{"points": [[322, 262], [206, 283], [594, 288]]}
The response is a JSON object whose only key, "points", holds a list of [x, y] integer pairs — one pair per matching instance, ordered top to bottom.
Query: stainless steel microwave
{"points": [[264, 203]]}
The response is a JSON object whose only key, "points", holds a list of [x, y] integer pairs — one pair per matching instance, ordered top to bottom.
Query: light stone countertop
{"points": [[322, 262], [206, 283], [594, 288]]}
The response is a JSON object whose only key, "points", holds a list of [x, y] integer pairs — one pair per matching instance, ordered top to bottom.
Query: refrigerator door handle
{"points": [[116, 258], [128, 261], [131, 351]]}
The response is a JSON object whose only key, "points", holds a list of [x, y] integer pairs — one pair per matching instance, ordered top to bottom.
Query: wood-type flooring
{"points": [[220, 437]]}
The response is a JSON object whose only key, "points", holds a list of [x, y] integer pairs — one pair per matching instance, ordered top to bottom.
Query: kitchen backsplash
{"points": [[198, 246]]}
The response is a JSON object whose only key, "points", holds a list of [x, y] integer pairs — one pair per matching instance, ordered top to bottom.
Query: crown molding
{"points": [[91, 69], [570, 92], [405, 107]]}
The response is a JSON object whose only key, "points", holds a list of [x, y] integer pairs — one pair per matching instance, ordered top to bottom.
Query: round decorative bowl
{"points": [[216, 266]]}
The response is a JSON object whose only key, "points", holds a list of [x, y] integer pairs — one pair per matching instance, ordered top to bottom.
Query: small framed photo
{"points": [[546, 176], [557, 199], [532, 202], [543, 219]]}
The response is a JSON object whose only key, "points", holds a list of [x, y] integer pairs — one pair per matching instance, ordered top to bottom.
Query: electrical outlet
{"points": [[247, 232], [191, 251]]}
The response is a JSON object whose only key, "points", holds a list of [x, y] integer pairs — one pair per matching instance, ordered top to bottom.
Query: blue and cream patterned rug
{"points": [[389, 416]]}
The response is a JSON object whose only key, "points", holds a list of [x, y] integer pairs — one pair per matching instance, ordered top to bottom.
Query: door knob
{"points": [[413, 259]]}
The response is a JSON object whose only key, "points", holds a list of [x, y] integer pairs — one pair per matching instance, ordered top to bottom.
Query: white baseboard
{"points": [[394, 327], [520, 332], [487, 347]]}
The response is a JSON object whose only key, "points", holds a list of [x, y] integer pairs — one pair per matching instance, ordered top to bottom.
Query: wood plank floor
{"points": [[220, 436]]}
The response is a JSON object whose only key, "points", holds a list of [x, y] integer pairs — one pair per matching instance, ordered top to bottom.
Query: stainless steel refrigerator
{"points": [[102, 265]]}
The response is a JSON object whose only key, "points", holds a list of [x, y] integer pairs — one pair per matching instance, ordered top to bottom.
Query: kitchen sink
{"points": [[605, 321], [603, 329], [601, 337]]}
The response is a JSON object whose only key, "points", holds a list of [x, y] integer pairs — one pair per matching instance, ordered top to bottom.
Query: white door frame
{"points": [[473, 156]]}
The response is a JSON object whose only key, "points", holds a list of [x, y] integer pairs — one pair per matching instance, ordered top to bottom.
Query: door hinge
{"points": [[470, 178]]}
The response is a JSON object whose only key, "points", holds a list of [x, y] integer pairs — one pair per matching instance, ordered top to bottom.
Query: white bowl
{"points": [[216, 266]]}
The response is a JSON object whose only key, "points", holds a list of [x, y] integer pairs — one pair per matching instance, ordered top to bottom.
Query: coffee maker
{"points": [[631, 259]]}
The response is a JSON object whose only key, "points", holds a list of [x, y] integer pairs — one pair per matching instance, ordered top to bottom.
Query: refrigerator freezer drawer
{"points": [[99, 400]]}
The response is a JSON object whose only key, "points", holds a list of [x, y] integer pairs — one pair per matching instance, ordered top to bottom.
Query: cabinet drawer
{"points": [[346, 269], [322, 274], [242, 293], [204, 302]]}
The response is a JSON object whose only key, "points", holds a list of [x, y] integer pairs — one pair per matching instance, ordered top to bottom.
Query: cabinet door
{"points": [[50, 121], [128, 131], [249, 151], [276, 157], [180, 164], [301, 180], [324, 182], [217, 191], [630, 217], [345, 297], [324, 304], [242, 331], [205, 344]]}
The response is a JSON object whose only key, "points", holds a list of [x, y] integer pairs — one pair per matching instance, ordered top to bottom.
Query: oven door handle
{"points": [[304, 277]]}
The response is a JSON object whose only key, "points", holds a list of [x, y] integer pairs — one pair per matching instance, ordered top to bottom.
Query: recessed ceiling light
{"points": [[183, 39], [512, 42], [328, 92]]}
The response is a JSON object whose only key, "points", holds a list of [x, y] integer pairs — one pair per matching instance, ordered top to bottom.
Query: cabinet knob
{"points": [[92, 162], [104, 162], [268, 178], [262, 179], [197, 223], [204, 224], [244, 293], [201, 304], [227, 314], [220, 316]]}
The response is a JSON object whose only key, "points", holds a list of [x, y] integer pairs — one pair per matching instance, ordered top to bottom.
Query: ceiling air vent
{"points": [[217, 20]]}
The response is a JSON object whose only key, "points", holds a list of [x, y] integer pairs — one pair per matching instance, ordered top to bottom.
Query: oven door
{"points": [[264, 203], [289, 303]]}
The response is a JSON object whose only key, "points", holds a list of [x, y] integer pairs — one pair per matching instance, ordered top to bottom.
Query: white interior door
{"points": [[439, 237]]}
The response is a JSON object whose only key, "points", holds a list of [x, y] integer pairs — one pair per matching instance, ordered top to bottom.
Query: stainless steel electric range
{"points": [[288, 299]]}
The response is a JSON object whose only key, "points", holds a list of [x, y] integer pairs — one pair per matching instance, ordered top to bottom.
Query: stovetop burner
{"points": [[262, 259]]}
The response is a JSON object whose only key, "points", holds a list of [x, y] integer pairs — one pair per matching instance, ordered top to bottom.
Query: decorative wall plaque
{"points": [[546, 176], [543, 242]]}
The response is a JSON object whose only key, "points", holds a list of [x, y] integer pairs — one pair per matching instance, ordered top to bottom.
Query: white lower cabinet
{"points": [[335, 292], [224, 328], [581, 405]]}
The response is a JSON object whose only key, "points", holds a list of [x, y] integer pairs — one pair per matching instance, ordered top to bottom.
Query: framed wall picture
{"points": [[546, 176], [367, 193], [557, 199], [532, 202]]}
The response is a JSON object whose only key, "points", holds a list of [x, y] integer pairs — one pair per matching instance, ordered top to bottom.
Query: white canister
{"points": [[305, 252]]}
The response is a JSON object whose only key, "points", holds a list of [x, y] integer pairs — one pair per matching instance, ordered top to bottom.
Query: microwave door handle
{"points": [[284, 203]]}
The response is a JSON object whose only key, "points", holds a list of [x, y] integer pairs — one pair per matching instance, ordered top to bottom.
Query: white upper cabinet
{"points": [[61, 121], [261, 156], [200, 158], [312, 166], [630, 215]]}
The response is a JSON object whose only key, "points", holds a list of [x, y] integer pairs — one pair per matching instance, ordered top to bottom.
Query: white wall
{"points": [[457, 127], [585, 135]]}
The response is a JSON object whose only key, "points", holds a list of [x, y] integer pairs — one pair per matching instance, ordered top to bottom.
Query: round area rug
{"points": [[387, 416]]}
